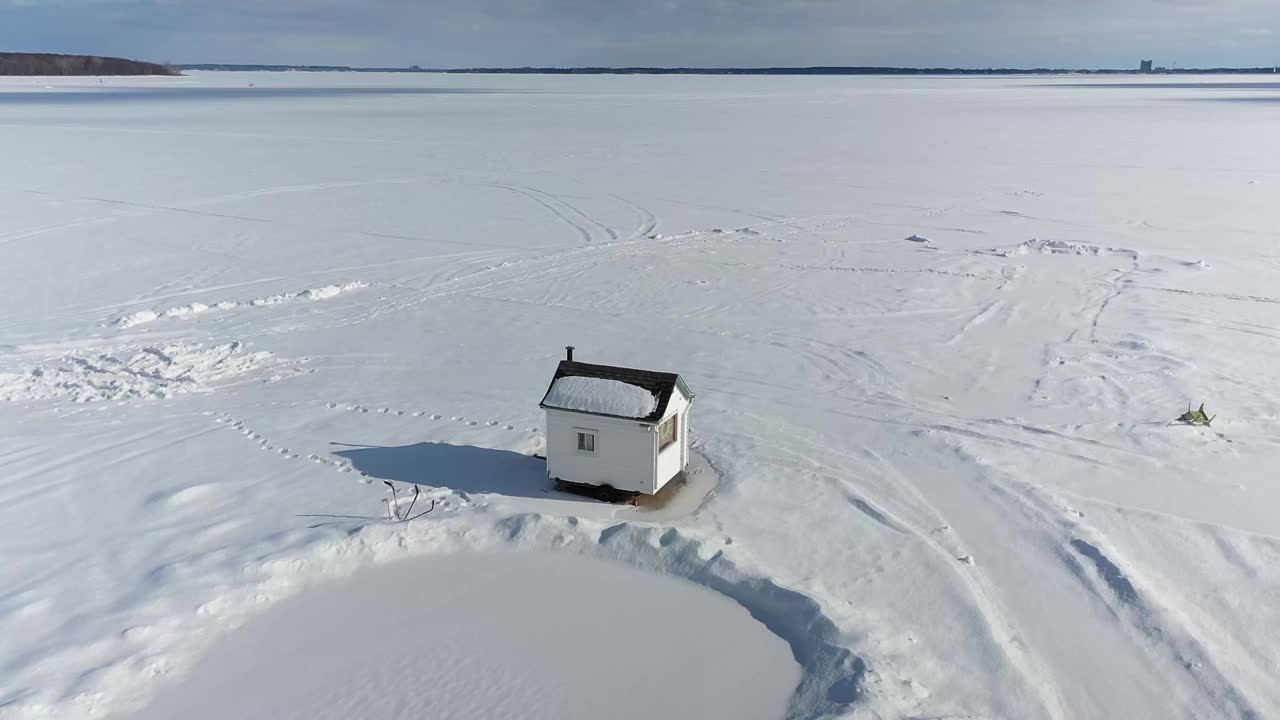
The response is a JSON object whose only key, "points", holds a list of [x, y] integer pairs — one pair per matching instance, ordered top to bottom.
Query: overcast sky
{"points": [[457, 33]]}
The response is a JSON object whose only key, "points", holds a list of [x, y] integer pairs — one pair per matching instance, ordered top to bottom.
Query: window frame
{"points": [[675, 432], [579, 434]]}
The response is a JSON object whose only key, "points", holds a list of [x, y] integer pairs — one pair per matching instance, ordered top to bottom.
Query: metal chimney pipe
{"points": [[568, 353]]}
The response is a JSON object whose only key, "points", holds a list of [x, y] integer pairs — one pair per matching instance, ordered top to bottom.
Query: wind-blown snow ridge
{"points": [[1060, 247], [320, 293], [184, 312], [138, 318], [149, 372], [600, 395]]}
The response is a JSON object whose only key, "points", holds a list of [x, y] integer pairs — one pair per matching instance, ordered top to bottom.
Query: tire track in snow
{"points": [[304, 188], [168, 208], [147, 209], [769, 220], [647, 222], [583, 231], [609, 232], [17, 235], [563, 260], [560, 262], [466, 284], [1118, 286], [762, 292], [1208, 294], [981, 317], [843, 368], [879, 386], [919, 427], [1058, 435], [1010, 442], [31, 490], [876, 514], [913, 515], [1026, 517], [932, 528], [1111, 575], [1112, 585]]}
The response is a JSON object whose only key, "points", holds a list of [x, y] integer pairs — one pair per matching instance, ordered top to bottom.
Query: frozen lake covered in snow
{"points": [[937, 328]]}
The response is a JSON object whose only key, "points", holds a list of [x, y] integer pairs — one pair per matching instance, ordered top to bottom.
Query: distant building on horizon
{"points": [[1144, 66]]}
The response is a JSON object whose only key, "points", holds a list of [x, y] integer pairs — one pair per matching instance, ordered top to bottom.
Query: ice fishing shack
{"points": [[615, 432]]}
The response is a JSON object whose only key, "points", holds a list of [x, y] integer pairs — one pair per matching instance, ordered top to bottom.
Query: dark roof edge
{"points": [[671, 381], [679, 384], [684, 388]]}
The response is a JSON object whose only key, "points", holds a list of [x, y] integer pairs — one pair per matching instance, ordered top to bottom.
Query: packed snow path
{"points": [[937, 328]]}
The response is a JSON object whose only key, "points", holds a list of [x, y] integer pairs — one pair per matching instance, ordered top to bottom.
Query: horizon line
{"points": [[724, 70]]}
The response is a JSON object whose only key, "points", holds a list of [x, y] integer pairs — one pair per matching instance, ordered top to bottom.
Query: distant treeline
{"points": [[52, 64], [820, 70], [830, 70]]}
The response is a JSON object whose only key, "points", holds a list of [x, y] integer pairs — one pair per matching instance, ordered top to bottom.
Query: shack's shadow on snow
{"points": [[465, 468]]}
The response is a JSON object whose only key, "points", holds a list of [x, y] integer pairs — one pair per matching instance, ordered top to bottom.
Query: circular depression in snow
{"points": [[511, 635]]}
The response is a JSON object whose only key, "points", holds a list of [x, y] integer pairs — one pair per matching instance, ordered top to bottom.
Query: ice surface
{"points": [[601, 395], [948, 478], [413, 633]]}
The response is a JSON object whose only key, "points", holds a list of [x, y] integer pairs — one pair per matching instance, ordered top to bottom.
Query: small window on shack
{"points": [[667, 433], [586, 441]]}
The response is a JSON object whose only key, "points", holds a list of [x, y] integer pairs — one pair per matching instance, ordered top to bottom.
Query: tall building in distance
{"points": [[1144, 66]]}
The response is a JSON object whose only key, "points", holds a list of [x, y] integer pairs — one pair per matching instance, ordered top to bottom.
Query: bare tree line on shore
{"points": [[54, 64]]}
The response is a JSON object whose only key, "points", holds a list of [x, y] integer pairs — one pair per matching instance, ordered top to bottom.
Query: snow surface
{"points": [[148, 372], [601, 395], [948, 478], [413, 634]]}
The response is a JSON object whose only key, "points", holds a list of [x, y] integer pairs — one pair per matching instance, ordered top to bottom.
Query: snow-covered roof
{"points": [[601, 396], [624, 402]]}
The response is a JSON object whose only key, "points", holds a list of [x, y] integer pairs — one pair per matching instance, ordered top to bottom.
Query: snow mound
{"points": [[1060, 247], [320, 293], [185, 312], [138, 318], [150, 372], [599, 395]]}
